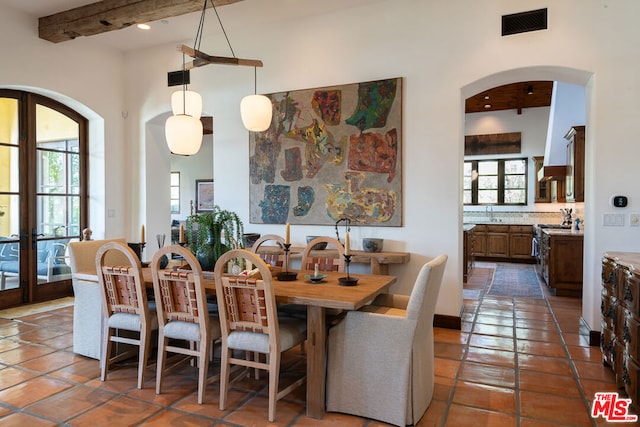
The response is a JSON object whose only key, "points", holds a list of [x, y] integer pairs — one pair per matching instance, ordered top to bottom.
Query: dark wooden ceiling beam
{"points": [[110, 15], [513, 96]]}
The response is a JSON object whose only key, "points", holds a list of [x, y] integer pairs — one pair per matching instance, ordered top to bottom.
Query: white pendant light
{"points": [[186, 102], [256, 112], [184, 134]]}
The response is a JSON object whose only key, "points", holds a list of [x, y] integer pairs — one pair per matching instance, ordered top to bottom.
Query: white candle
{"points": [[287, 234], [181, 239], [142, 240], [347, 245], [315, 271]]}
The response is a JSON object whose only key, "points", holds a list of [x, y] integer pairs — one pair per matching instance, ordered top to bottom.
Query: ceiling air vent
{"points": [[524, 22]]}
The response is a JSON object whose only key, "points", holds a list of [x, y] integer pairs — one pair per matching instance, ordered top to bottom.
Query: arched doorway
{"points": [[573, 76], [43, 195]]}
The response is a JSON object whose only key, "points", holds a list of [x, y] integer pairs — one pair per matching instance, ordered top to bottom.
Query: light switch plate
{"points": [[613, 220], [634, 220]]}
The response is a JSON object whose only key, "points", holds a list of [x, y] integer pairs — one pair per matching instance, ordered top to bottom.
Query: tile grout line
{"points": [[465, 352], [574, 370]]}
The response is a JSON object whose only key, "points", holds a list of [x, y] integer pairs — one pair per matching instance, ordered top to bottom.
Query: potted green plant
{"points": [[216, 232]]}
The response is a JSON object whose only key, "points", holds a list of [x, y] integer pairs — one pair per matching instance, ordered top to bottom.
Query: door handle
{"points": [[34, 238]]}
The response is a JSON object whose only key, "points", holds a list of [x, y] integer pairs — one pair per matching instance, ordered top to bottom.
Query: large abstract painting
{"points": [[330, 153]]}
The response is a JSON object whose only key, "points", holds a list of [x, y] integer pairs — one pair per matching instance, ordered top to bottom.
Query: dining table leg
{"points": [[316, 361]]}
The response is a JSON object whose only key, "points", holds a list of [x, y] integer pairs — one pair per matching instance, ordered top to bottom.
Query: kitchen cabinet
{"points": [[574, 184], [543, 188], [480, 240], [498, 241], [520, 241], [503, 242], [469, 250], [561, 253], [620, 320]]}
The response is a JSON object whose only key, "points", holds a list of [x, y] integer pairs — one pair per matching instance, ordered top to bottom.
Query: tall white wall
{"points": [[445, 51], [89, 79], [567, 110]]}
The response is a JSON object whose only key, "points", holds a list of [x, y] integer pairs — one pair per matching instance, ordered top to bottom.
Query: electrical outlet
{"points": [[613, 220], [634, 220]]}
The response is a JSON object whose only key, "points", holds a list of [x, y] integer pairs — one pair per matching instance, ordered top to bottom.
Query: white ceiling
{"points": [[183, 28]]}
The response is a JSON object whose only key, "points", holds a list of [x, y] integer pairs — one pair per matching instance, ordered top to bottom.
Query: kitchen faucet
{"points": [[489, 211]]}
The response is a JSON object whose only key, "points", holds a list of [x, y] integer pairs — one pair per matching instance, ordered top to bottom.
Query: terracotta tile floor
{"points": [[516, 362]]}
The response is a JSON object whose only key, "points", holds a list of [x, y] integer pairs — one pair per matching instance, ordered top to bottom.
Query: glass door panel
{"points": [[57, 192], [9, 200]]}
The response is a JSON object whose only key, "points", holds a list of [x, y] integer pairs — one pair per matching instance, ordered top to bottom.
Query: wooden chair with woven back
{"points": [[274, 257], [327, 261], [124, 306], [183, 316], [250, 323]]}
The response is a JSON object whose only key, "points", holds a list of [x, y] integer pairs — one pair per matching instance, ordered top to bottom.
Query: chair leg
{"points": [[145, 343], [162, 344], [106, 351], [203, 359], [274, 374], [224, 376]]}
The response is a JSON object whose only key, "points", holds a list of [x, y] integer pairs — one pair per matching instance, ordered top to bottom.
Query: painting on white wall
{"points": [[330, 153], [204, 195]]}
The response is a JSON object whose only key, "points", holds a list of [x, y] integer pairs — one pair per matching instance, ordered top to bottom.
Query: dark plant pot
{"points": [[209, 252], [164, 261]]}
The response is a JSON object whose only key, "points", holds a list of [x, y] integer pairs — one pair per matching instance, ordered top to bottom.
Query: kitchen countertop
{"points": [[498, 223], [562, 232]]}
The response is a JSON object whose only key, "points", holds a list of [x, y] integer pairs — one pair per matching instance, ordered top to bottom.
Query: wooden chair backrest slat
{"points": [[325, 263], [122, 286], [180, 295]]}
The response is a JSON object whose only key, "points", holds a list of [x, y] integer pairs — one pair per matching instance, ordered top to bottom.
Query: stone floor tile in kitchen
{"points": [[519, 362]]}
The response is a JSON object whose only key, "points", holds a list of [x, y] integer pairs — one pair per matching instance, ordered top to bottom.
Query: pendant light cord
{"points": [[223, 31], [198, 40], [255, 80], [184, 85]]}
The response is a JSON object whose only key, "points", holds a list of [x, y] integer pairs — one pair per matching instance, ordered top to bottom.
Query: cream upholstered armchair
{"points": [[87, 307], [380, 358]]}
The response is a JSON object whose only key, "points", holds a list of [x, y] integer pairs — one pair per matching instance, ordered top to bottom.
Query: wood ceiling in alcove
{"points": [[513, 96]]}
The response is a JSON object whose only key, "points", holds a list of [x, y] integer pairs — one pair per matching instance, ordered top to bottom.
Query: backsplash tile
{"points": [[502, 217]]}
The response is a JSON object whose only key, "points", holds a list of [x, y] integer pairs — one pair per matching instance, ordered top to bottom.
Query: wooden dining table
{"points": [[318, 297]]}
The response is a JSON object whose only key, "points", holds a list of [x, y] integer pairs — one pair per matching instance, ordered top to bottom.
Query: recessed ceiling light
{"points": [[144, 26], [486, 97], [487, 106]]}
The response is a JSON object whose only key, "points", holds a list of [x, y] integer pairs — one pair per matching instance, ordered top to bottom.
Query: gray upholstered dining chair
{"points": [[87, 305], [124, 307], [183, 316], [250, 324], [380, 358]]}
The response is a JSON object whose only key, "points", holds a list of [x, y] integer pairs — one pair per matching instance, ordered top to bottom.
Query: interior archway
{"points": [[550, 73], [159, 162]]}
